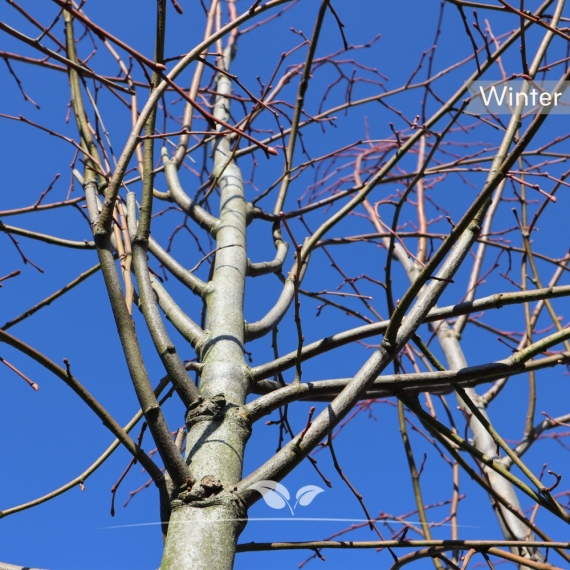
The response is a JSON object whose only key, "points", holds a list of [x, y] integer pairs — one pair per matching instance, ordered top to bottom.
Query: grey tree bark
{"points": [[206, 520]]}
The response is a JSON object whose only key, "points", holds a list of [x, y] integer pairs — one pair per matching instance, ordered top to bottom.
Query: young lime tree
{"points": [[265, 222]]}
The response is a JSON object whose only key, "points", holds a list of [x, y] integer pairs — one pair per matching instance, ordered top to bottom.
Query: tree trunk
{"points": [[207, 520]]}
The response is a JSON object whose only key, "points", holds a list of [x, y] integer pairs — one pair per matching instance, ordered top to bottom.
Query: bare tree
{"points": [[446, 199]]}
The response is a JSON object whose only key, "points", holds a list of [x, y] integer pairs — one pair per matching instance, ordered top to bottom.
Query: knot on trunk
{"points": [[206, 410], [203, 489]]}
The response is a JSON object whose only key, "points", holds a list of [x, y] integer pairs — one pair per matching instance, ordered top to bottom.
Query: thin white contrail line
{"points": [[287, 519]]}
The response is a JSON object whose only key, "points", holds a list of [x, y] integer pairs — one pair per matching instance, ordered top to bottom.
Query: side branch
{"points": [[203, 218], [46, 238], [274, 266], [195, 284], [48, 300], [495, 301], [277, 312], [181, 321], [392, 384], [185, 388], [84, 394], [170, 455], [448, 544]]}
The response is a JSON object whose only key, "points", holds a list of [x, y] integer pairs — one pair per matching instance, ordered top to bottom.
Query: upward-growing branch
{"points": [[299, 105], [143, 229], [173, 462]]}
